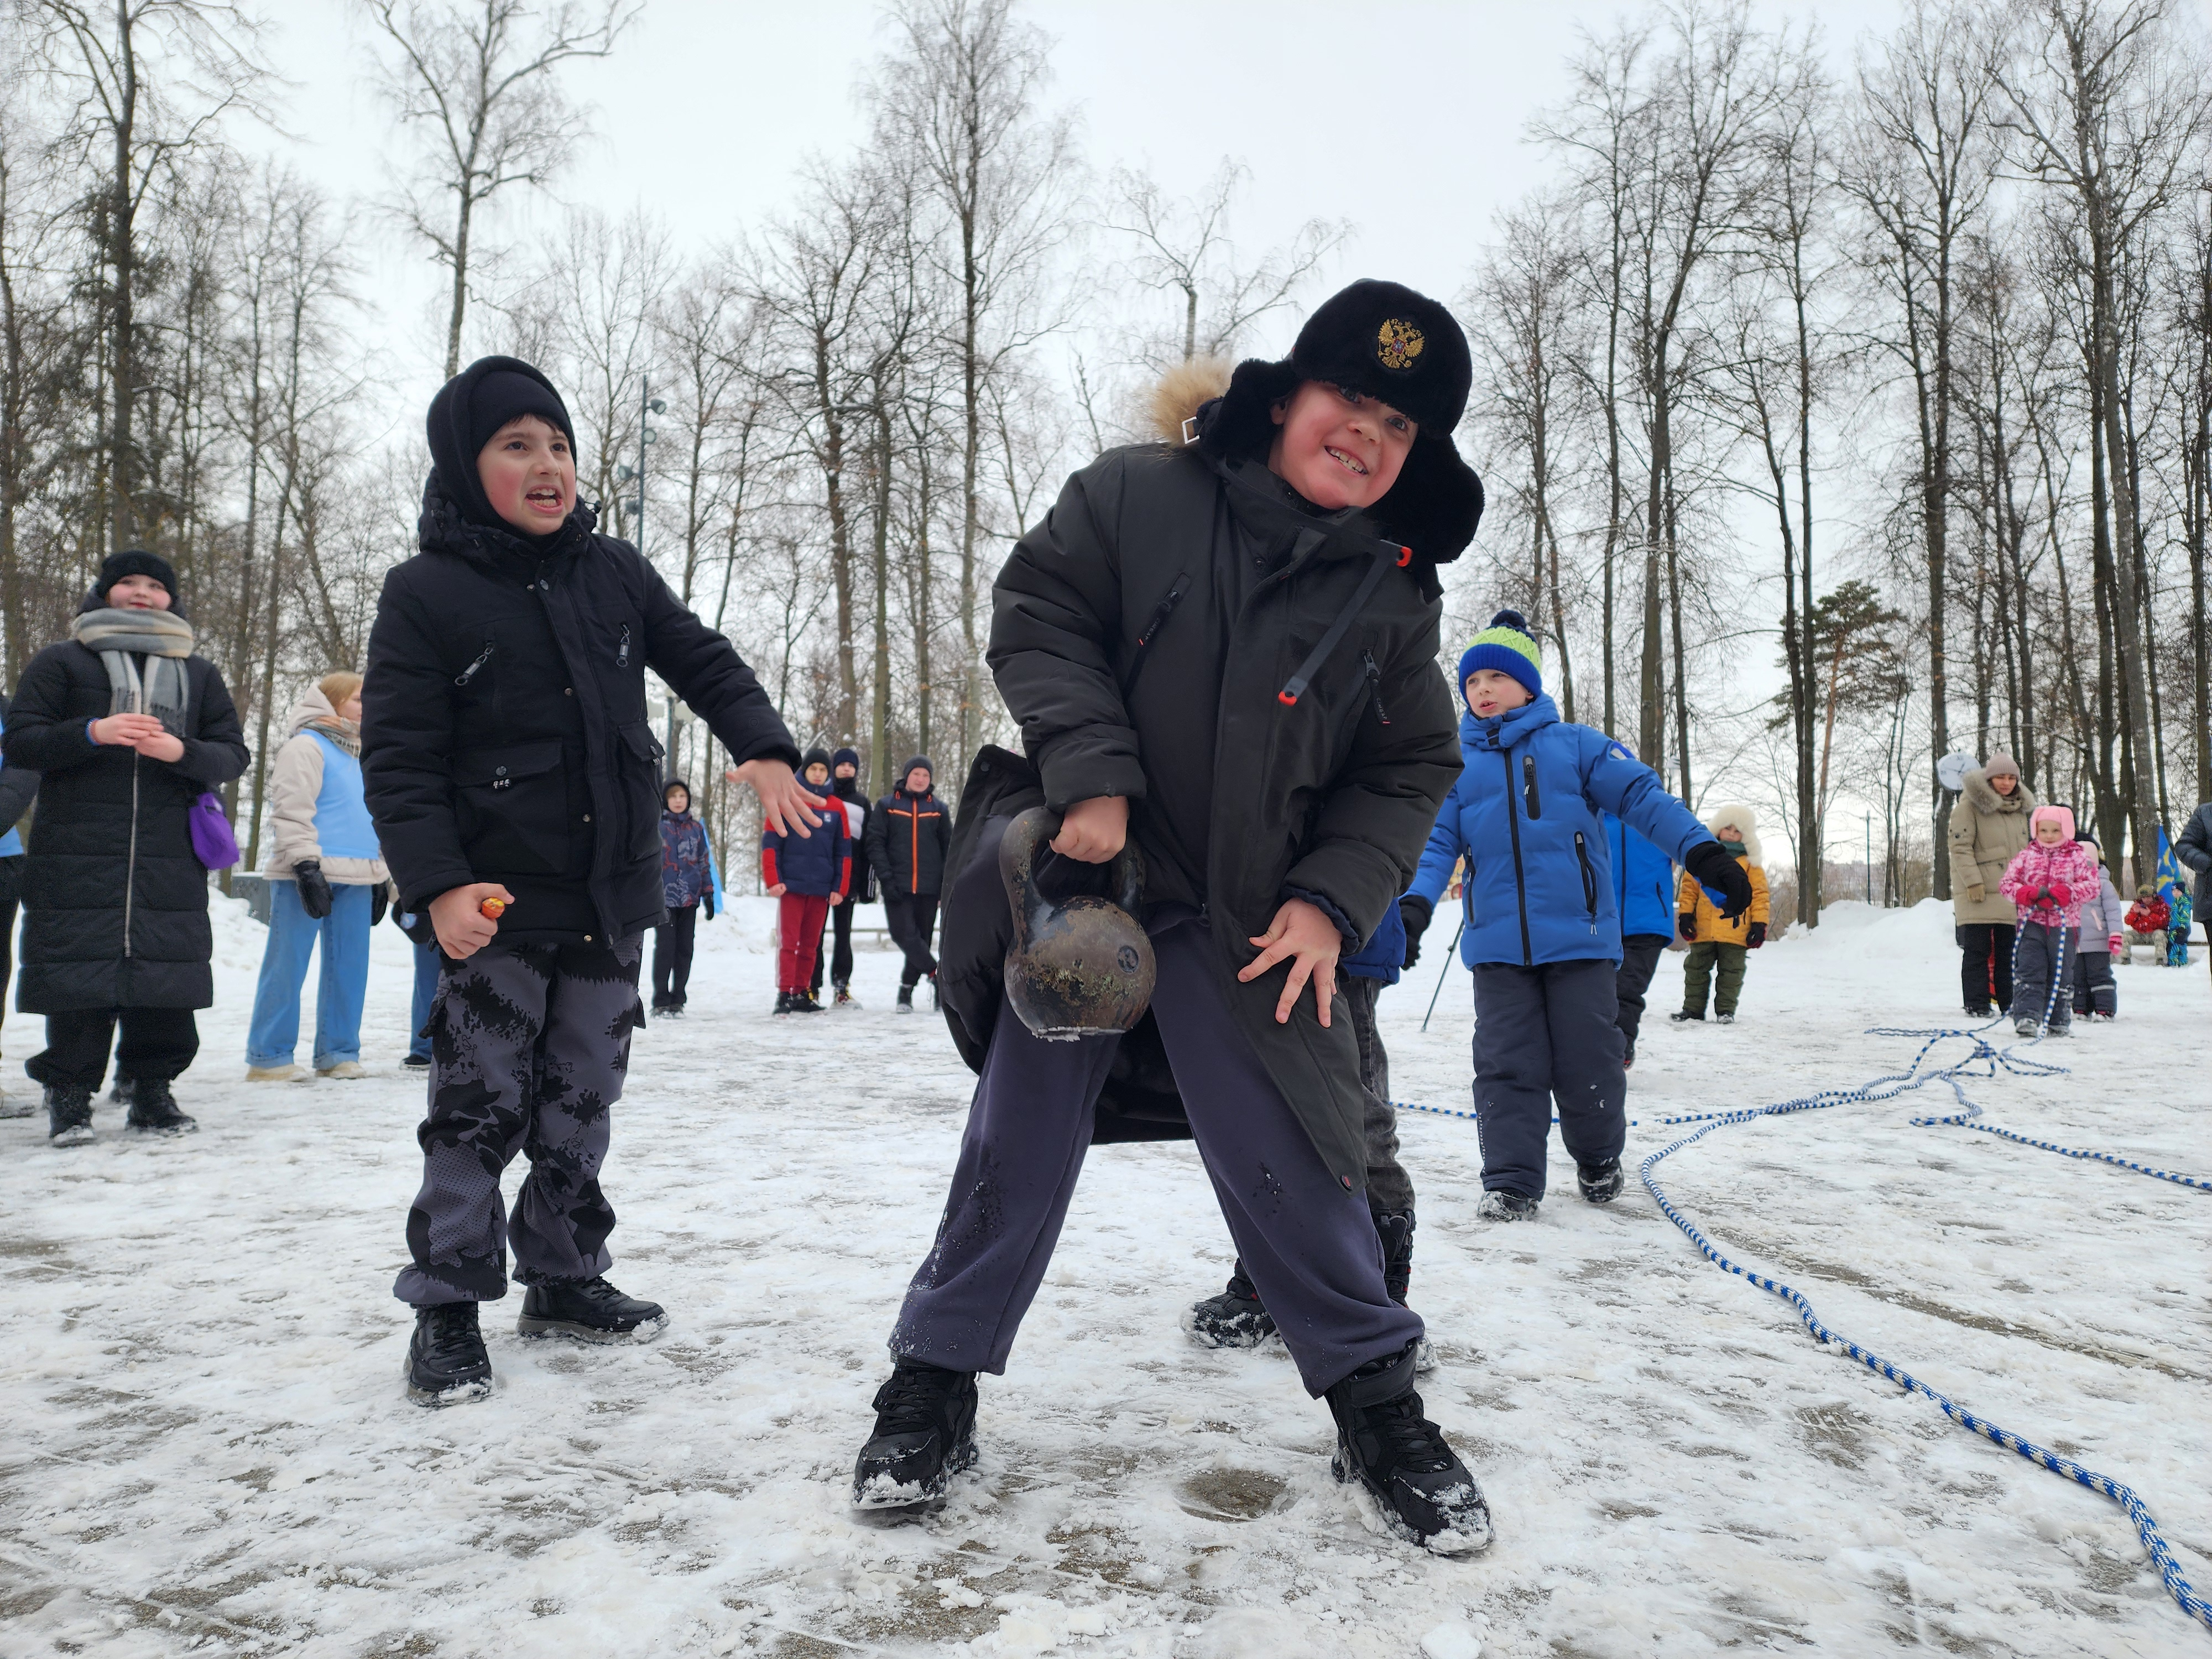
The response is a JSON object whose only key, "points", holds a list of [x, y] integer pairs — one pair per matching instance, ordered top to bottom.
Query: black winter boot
{"points": [[905, 1000], [782, 1004], [1681, 1014], [154, 1110], [68, 1115], [1600, 1184], [1503, 1204], [590, 1308], [1235, 1319], [447, 1364], [925, 1435], [1426, 1493]]}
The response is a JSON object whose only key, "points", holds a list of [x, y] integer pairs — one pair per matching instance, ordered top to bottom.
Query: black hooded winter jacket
{"points": [[1150, 637], [505, 735], [115, 905]]}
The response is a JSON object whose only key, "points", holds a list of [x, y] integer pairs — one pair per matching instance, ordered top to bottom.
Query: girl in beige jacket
{"points": [[327, 885]]}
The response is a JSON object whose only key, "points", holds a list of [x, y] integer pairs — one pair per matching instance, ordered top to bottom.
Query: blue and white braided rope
{"points": [[1984, 1061]]}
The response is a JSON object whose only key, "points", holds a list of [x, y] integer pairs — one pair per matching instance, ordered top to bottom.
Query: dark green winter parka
{"points": [[1151, 636]]}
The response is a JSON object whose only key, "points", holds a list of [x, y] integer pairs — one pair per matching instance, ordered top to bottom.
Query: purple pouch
{"points": [[212, 842]]}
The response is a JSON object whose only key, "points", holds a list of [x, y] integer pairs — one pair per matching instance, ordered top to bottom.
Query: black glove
{"points": [[1714, 868], [315, 896], [379, 900], [707, 903], [1414, 911], [1686, 925], [1757, 937]]}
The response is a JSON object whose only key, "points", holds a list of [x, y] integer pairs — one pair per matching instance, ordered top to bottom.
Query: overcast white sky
{"points": [[1405, 118]]}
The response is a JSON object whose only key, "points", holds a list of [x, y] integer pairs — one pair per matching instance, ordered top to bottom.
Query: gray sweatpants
{"points": [[529, 1046], [1308, 1243]]}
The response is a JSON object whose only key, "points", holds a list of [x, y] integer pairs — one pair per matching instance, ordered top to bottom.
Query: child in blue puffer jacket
{"points": [[1543, 928]]}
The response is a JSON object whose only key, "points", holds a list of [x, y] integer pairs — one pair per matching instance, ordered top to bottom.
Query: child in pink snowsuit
{"points": [[2048, 881]]}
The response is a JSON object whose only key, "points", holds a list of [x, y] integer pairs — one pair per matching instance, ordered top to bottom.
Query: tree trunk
{"points": [[462, 222], [971, 447], [1651, 722]]}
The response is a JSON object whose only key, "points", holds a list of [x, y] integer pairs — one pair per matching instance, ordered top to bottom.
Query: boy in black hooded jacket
{"points": [[1224, 650], [512, 770]]}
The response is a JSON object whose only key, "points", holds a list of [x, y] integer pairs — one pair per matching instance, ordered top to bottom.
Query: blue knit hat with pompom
{"points": [[1508, 646]]}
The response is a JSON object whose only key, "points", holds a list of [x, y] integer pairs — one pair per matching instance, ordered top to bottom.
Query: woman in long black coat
{"points": [[129, 729]]}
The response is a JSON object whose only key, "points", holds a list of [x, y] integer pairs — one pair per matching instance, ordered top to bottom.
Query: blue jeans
{"points": [[292, 934], [426, 998]]}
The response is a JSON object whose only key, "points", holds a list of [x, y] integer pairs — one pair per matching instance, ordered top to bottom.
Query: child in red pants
{"points": [[808, 873]]}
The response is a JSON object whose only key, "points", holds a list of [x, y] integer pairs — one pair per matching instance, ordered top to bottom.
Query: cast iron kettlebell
{"points": [[1083, 968]]}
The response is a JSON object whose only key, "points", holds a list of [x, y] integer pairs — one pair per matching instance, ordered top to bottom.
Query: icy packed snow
{"points": [[206, 1446]]}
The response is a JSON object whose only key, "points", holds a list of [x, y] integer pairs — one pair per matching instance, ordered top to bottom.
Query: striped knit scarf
{"points": [[123, 639]]}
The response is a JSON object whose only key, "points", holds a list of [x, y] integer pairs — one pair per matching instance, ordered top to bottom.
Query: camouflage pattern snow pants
{"points": [[529, 1045]]}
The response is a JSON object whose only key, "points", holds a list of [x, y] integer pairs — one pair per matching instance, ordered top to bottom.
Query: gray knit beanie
{"points": [[2000, 765]]}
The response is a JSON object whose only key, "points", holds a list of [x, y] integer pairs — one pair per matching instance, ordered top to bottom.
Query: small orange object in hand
{"points": [[492, 909]]}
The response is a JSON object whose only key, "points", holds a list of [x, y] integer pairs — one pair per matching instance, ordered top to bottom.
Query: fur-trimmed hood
{"points": [[1433, 508], [1984, 799], [1737, 813]]}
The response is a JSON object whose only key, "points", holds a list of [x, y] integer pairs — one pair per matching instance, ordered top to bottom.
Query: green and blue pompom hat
{"points": [[1508, 646]]}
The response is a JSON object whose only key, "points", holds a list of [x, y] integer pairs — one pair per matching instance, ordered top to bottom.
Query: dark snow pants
{"points": [[910, 916], [672, 956], [2046, 958], [1639, 960], [1722, 963], [1985, 964], [2095, 990], [1550, 1032], [156, 1043], [529, 1046], [1389, 1188], [1308, 1243]]}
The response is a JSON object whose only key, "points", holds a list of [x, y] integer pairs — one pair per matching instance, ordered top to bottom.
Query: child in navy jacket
{"points": [[809, 874], [1543, 931]]}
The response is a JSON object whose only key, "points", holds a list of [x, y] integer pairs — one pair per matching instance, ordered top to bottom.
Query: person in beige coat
{"points": [[1988, 825], [327, 884]]}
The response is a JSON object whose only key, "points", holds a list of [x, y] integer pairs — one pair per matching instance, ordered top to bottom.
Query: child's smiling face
{"points": [[1337, 447], [529, 475], [1492, 692], [2049, 832]]}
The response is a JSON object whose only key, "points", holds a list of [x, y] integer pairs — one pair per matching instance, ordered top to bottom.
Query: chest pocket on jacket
{"points": [[513, 809]]}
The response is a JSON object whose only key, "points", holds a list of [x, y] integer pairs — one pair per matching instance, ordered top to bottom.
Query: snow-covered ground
{"points": [[204, 1445]]}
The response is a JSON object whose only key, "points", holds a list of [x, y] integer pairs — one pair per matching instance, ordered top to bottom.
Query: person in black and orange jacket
{"points": [[908, 834], [808, 875]]}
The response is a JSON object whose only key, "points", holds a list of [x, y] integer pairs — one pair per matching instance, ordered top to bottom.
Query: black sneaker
{"points": [[905, 1000], [803, 1002], [782, 1004], [1981, 1013], [1681, 1014], [420, 1062], [154, 1110], [69, 1116], [1601, 1183], [590, 1308], [1235, 1319], [447, 1364], [925, 1435], [1426, 1493]]}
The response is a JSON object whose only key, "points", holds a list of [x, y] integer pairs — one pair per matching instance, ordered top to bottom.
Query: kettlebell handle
{"points": [[1017, 851]]}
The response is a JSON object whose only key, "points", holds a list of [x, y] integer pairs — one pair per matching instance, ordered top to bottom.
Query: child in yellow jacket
{"points": [[1716, 941]]}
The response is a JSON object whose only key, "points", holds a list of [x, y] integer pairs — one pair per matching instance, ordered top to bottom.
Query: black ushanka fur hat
{"points": [[1390, 342]]}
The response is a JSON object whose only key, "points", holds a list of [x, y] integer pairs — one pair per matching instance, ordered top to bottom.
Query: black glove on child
{"points": [[1713, 868], [315, 896], [379, 900], [1414, 911], [1686, 925], [1756, 937]]}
